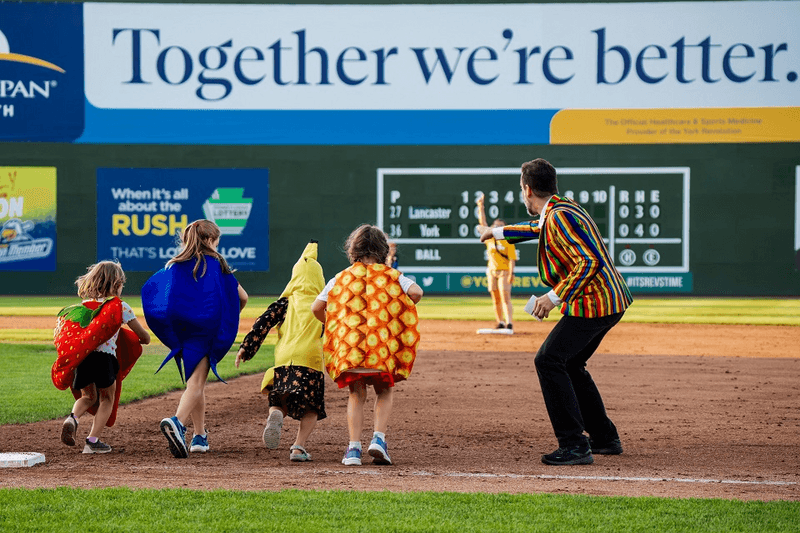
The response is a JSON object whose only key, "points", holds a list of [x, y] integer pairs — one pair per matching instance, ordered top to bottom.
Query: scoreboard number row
{"points": [[641, 212]]}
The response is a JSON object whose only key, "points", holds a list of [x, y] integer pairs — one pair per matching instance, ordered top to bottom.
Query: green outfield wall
{"points": [[741, 203]]}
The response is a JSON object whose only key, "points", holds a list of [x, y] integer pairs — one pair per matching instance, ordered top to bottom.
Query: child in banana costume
{"points": [[371, 334], [295, 386]]}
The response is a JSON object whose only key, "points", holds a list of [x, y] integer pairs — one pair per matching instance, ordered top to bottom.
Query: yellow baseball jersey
{"points": [[500, 254], [371, 323]]}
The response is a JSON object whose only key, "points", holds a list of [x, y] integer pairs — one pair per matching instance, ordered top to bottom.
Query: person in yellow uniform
{"points": [[499, 271]]}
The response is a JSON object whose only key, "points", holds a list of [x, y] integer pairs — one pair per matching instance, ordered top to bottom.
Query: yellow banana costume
{"points": [[371, 323], [300, 335]]}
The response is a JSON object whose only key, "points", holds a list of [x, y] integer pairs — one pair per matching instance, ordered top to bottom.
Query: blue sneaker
{"points": [[176, 436], [199, 443], [377, 449], [352, 457]]}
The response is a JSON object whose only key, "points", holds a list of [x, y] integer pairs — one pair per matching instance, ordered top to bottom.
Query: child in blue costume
{"points": [[192, 305]]}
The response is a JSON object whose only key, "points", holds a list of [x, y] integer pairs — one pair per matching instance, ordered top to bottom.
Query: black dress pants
{"points": [[570, 395]]}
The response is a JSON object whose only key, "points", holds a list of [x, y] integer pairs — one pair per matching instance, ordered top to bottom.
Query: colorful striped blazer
{"points": [[574, 260]]}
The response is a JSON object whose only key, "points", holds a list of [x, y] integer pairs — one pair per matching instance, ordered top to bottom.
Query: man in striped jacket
{"points": [[592, 296]]}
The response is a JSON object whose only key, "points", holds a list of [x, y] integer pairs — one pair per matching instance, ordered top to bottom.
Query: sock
{"points": [[379, 435], [92, 439], [355, 444]]}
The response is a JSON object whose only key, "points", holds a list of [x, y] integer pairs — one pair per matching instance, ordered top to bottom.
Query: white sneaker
{"points": [[272, 433]]}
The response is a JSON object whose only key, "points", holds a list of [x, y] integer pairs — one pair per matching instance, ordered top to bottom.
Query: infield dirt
{"points": [[703, 411]]}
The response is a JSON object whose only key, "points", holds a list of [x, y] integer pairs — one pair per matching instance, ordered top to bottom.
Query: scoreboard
{"points": [[642, 213]]}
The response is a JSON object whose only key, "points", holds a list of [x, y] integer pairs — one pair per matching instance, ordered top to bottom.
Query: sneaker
{"points": [[500, 326], [510, 326], [68, 430], [272, 433], [176, 436], [199, 444], [96, 447], [612, 447], [377, 449], [570, 455], [352, 457]]}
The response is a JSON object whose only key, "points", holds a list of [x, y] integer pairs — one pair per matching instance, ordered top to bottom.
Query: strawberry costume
{"points": [[81, 329]]}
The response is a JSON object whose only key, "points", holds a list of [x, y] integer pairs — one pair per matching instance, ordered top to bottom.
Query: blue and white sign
{"points": [[41, 72], [401, 74], [141, 212]]}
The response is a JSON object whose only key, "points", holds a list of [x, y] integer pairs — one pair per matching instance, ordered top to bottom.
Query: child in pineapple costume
{"points": [[371, 334], [295, 386]]}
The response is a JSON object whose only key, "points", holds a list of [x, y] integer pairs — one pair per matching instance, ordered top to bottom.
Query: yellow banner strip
{"points": [[676, 126]]}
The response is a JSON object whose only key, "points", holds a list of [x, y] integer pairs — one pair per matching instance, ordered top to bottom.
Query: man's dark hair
{"points": [[540, 176]]}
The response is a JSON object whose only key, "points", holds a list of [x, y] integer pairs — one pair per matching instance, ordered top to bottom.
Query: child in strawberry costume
{"points": [[192, 305], [371, 334], [94, 354]]}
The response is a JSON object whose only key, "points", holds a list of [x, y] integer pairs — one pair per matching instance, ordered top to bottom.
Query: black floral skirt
{"points": [[298, 390]]}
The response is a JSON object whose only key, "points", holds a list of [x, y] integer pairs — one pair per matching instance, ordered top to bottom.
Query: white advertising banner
{"points": [[442, 57]]}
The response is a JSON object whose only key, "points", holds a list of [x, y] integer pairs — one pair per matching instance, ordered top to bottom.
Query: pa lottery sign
{"points": [[141, 212]]}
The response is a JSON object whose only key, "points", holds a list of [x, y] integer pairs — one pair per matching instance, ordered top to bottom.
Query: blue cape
{"points": [[194, 318]]}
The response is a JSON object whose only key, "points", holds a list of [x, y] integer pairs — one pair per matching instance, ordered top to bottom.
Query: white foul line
{"points": [[581, 478]]}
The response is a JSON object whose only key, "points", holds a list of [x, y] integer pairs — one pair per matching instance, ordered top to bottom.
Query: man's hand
{"points": [[479, 200], [486, 233], [543, 306]]}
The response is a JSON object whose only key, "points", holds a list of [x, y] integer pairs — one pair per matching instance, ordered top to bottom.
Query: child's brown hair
{"points": [[196, 239], [367, 242], [101, 280]]}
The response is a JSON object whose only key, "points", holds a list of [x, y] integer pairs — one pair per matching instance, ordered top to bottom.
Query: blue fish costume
{"points": [[194, 318]]}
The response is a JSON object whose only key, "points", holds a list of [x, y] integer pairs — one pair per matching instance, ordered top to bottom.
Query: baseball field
{"points": [[705, 394]]}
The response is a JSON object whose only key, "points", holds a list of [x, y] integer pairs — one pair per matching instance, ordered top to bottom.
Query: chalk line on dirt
{"points": [[571, 478]]}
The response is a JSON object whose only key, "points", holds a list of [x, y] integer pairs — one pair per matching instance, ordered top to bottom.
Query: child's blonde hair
{"points": [[195, 241], [367, 242], [101, 280]]}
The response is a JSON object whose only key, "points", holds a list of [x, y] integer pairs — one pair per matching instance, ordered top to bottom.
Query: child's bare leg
{"points": [[193, 397], [88, 398], [383, 407], [276, 408], [104, 409], [355, 410], [198, 414], [307, 424]]}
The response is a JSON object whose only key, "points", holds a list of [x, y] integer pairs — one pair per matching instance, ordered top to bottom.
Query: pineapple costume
{"points": [[371, 323]]}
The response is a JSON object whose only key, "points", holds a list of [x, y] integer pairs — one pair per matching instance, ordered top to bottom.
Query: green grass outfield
{"points": [[748, 311], [27, 355], [67, 509]]}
